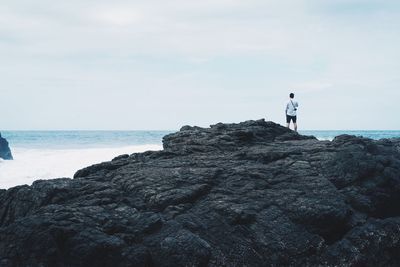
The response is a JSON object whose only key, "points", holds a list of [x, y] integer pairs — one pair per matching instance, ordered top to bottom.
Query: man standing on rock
{"points": [[291, 112]]}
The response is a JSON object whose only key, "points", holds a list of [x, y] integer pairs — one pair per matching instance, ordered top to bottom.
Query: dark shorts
{"points": [[289, 118]]}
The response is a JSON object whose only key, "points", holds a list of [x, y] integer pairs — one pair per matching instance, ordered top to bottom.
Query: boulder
{"points": [[5, 152], [248, 194]]}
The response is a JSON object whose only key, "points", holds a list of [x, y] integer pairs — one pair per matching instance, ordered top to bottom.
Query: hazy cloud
{"points": [[160, 64]]}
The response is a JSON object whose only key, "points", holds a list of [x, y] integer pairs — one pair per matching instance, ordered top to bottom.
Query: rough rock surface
{"points": [[5, 152], [247, 194]]}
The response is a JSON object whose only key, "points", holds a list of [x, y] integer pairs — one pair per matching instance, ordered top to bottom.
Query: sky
{"points": [[159, 65]]}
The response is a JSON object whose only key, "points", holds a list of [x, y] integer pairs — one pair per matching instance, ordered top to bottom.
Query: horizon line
{"points": [[171, 130]]}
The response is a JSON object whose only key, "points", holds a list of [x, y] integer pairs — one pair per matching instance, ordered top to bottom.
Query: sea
{"points": [[56, 154]]}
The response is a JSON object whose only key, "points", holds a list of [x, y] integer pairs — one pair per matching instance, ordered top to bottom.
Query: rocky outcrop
{"points": [[5, 152], [247, 194]]}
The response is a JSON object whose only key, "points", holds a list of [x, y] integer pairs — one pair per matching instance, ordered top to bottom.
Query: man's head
{"points": [[291, 95]]}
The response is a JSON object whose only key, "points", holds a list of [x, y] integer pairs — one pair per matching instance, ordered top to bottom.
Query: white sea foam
{"points": [[33, 164]]}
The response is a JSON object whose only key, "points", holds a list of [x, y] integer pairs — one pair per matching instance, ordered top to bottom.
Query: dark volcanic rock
{"points": [[5, 152], [248, 194]]}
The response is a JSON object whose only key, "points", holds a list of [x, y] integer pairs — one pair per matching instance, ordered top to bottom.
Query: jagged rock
{"points": [[5, 152], [247, 194]]}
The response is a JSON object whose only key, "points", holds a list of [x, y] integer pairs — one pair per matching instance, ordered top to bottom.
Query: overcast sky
{"points": [[131, 65]]}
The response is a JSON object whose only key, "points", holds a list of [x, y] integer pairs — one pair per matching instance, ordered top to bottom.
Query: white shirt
{"points": [[291, 108]]}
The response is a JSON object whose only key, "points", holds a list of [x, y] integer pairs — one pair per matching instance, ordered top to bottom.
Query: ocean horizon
{"points": [[56, 154]]}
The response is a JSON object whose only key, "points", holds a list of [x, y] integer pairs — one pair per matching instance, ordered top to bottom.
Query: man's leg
{"points": [[287, 121], [295, 122]]}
